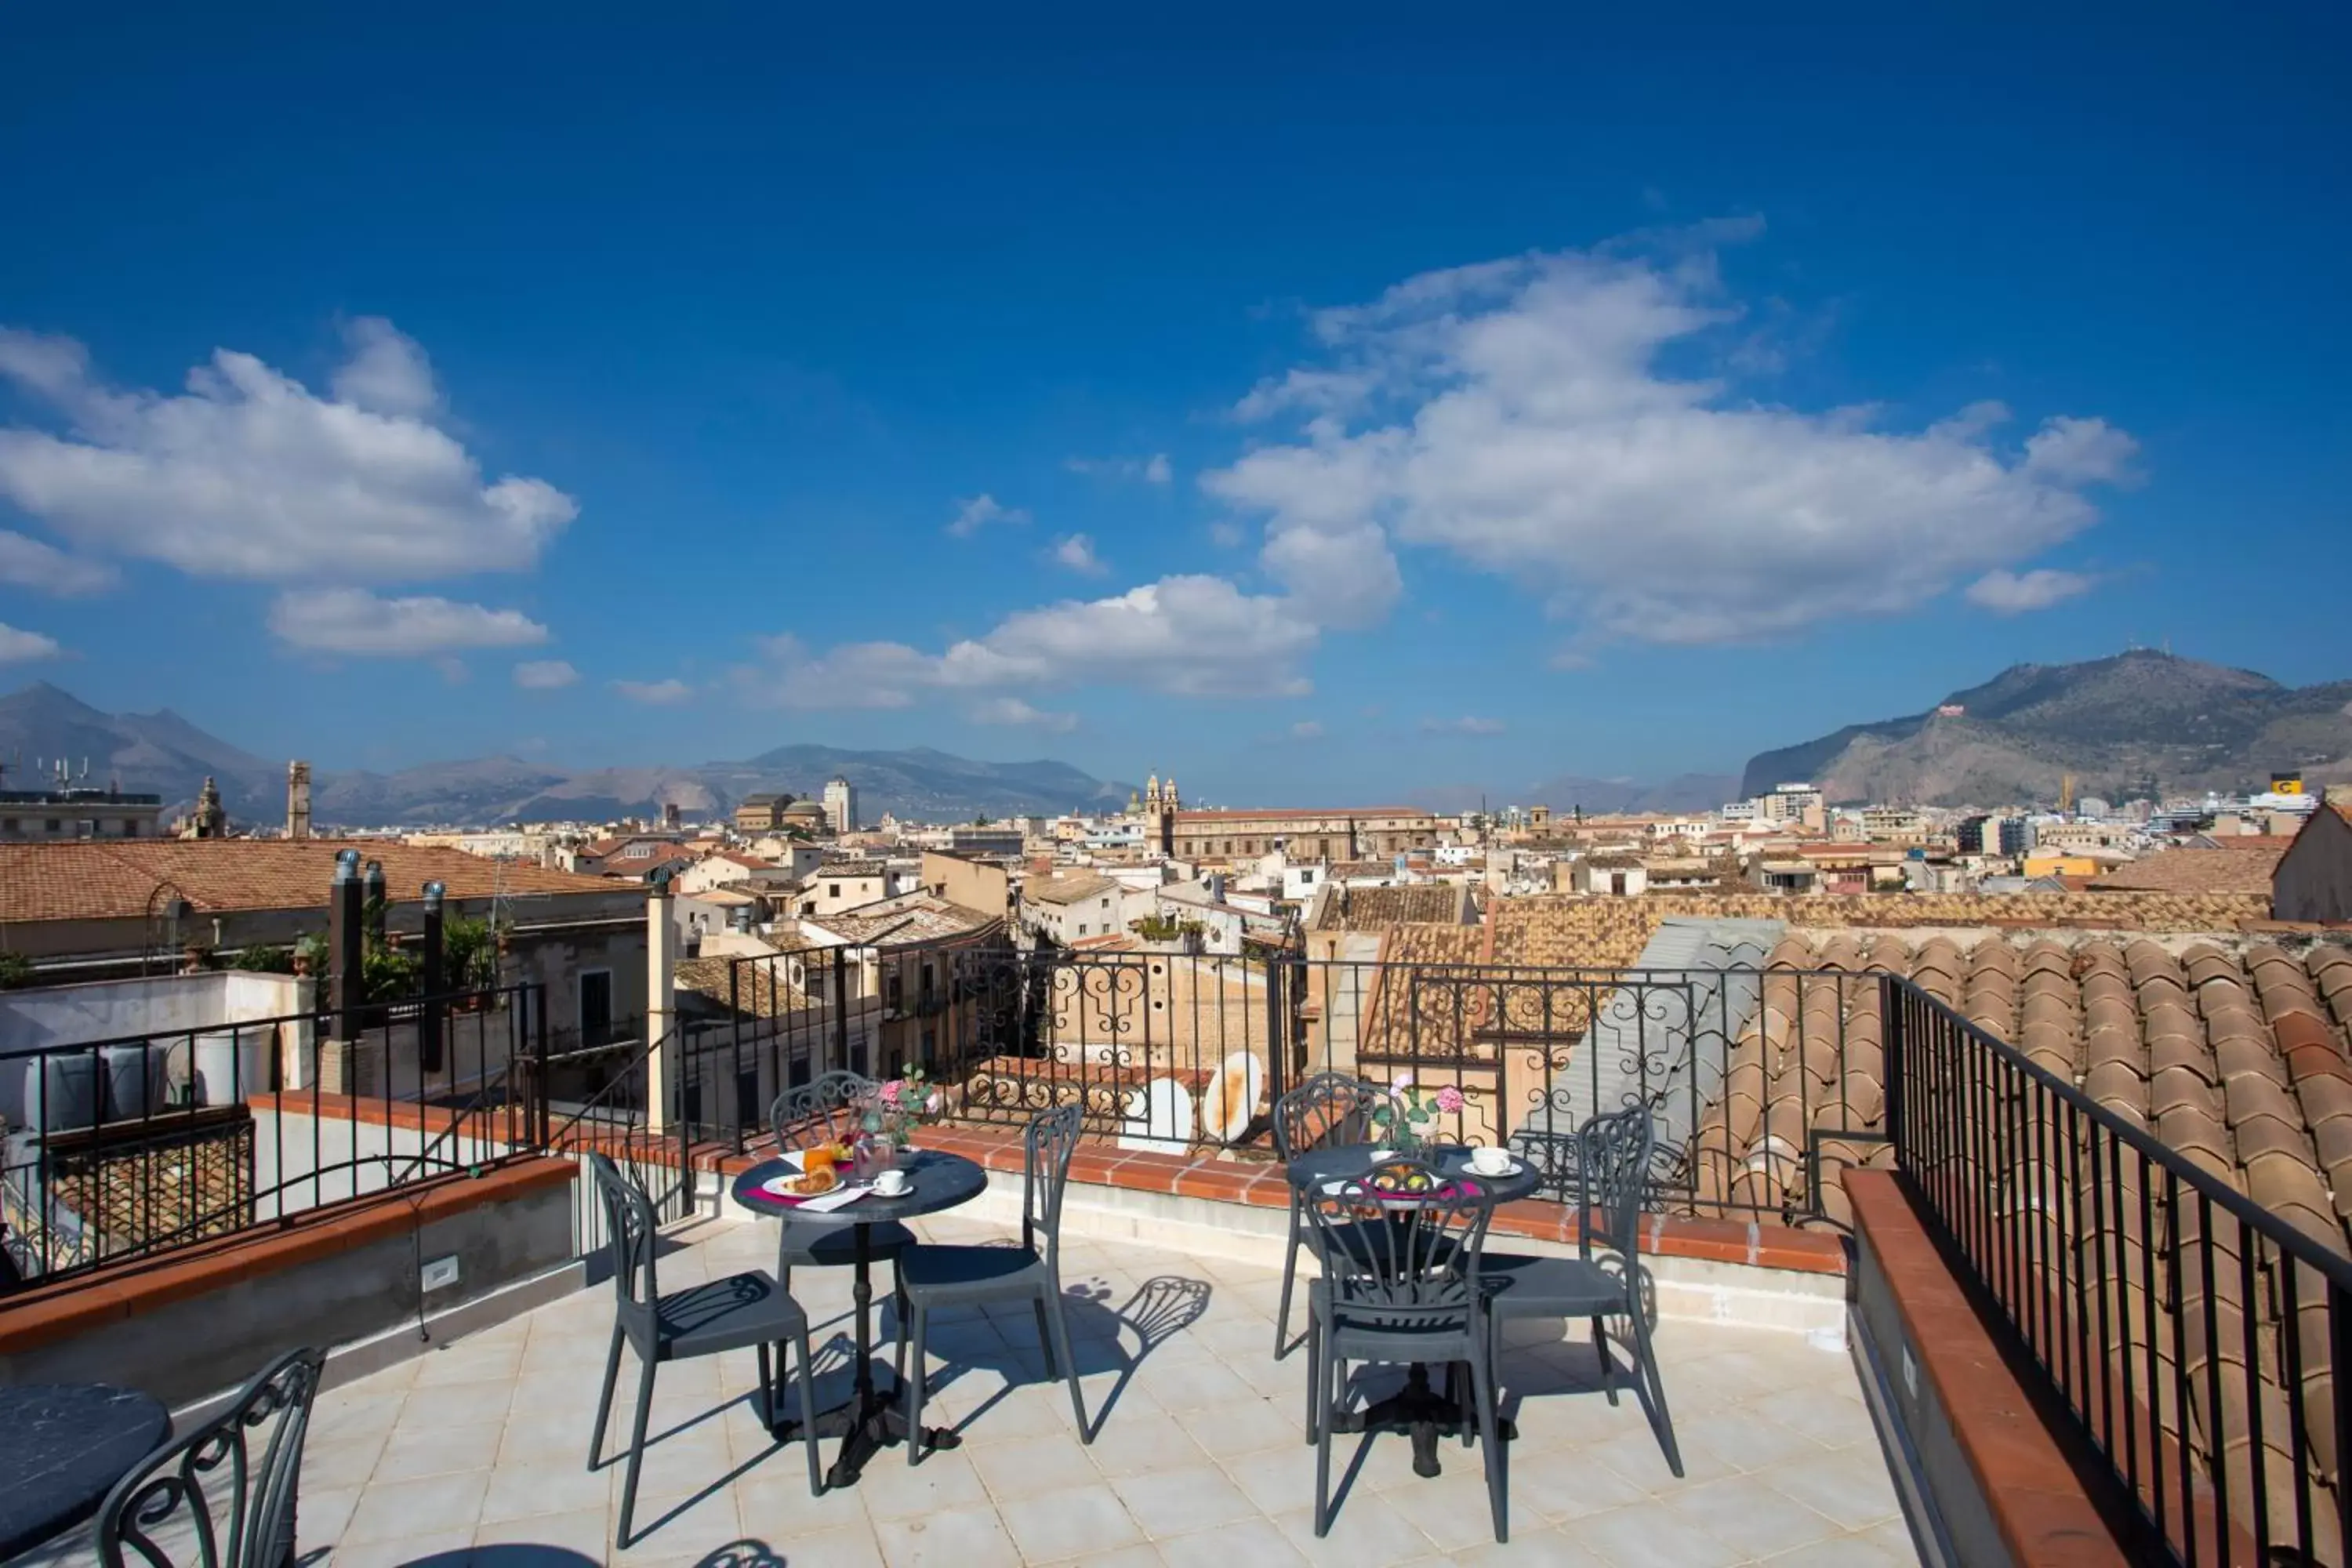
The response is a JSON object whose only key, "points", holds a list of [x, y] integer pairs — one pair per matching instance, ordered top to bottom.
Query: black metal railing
{"points": [[784, 1018], [1762, 1080], [623, 1102], [131, 1147], [2192, 1332]]}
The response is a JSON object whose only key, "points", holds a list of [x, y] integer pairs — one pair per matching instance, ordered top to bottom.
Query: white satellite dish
{"points": [[1230, 1100], [1158, 1117]]}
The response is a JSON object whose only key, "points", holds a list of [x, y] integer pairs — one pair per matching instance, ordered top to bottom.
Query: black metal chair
{"points": [[831, 1108], [1329, 1110], [1612, 1158], [1399, 1249], [932, 1277], [747, 1308], [207, 1497]]}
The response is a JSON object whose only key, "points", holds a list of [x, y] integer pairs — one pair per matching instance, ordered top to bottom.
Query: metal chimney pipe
{"points": [[375, 900], [346, 944], [428, 1026]]}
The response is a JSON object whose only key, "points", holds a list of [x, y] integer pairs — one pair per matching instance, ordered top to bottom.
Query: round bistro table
{"points": [[1416, 1408], [869, 1420], [62, 1448]]}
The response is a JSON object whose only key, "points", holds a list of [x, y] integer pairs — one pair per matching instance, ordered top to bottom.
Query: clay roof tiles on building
{"points": [[2242, 866], [95, 880], [1067, 889], [1373, 908]]}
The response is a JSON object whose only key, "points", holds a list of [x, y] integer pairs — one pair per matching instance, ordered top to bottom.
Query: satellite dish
{"points": [[1230, 1100]]}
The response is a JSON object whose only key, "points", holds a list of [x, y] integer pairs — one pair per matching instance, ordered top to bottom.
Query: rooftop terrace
{"points": [[1199, 1456]]}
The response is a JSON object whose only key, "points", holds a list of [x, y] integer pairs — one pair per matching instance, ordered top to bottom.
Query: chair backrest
{"points": [[829, 1108], [1330, 1108], [1046, 1145], [1612, 1169], [630, 1238], [1401, 1243], [222, 1494]]}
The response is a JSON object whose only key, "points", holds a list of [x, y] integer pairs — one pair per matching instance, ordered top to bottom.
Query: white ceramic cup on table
{"points": [[1490, 1160], [890, 1183]]}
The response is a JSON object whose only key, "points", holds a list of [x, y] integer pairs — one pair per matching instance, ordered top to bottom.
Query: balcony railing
{"points": [[129, 1148], [2192, 1333]]}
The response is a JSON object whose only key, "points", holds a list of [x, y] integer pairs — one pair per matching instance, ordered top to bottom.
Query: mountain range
{"points": [[2140, 724], [162, 751]]}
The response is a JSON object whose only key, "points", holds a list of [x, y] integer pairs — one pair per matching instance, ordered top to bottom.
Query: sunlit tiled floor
{"points": [[1200, 1457]]}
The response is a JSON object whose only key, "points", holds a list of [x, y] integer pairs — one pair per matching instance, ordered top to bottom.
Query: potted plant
{"points": [[901, 1105], [1406, 1117]]}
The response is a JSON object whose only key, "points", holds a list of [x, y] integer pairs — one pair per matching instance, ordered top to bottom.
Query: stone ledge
{"points": [[1263, 1185], [49, 1313], [2036, 1490]]}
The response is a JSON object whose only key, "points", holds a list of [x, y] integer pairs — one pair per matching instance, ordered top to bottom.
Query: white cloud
{"points": [[387, 372], [1518, 415], [1151, 470], [248, 473], [979, 512], [1077, 553], [28, 563], [2006, 593], [354, 621], [1185, 636], [16, 647], [544, 673], [655, 693], [1013, 710], [1466, 725], [1306, 730]]}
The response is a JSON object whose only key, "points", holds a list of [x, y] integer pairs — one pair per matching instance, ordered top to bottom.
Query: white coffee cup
{"points": [[1490, 1160], [891, 1183]]}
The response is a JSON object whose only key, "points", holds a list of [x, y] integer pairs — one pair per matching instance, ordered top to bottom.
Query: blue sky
{"points": [[1313, 407]]}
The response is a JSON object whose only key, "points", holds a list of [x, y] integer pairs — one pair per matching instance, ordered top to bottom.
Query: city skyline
{"points": [[1604, 412]]}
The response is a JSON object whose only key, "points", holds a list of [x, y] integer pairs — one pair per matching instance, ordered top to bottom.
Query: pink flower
{"points": [[890, 1091], [1449, 1099]]}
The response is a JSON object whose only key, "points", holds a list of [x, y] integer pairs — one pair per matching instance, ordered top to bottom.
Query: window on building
{"points": [[8, 825], [54, 826], [833, 889], [1082, 928], [892, 990], [595, 1006]]}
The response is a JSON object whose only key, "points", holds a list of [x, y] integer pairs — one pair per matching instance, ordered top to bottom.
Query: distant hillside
{"points": [[2140, 723], [158, 751], [165, 754]]}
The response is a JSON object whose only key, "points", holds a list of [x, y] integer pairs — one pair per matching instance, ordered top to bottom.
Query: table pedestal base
{"points": [[1420, 1410], [866, 1423]]}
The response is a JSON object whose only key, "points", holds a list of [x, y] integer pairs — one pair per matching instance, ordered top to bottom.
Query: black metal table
{"points": [[1416, 1408], [870, 1419], [62, 1448]]}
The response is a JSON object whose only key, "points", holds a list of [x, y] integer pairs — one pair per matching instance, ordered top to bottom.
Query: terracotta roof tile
{"points": [[2243, 866], [122, 880]]}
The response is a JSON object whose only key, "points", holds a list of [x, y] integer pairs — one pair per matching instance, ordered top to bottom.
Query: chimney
{"points": [[298, 800], [435, 980]]}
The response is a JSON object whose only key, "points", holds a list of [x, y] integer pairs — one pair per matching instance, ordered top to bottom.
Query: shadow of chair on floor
{"points": [[1162, 1307], [529, 1555]]}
